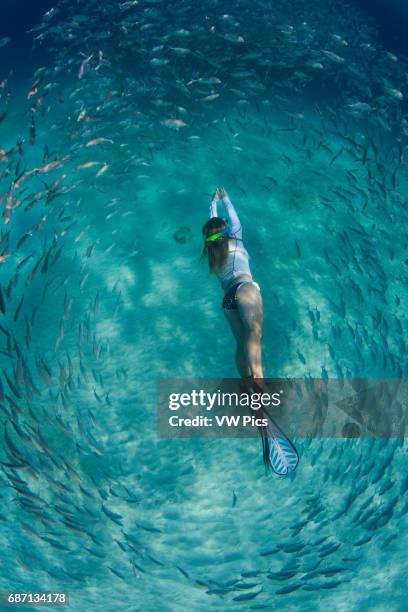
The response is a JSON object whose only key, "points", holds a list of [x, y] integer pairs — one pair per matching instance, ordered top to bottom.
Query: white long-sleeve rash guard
{"points": [[237, 263]]}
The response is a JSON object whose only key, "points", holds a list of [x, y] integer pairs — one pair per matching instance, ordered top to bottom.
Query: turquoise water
{"points": [[308, 134]]}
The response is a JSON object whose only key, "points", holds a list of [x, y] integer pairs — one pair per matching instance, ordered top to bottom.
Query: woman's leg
{"points": [[249, 302], [234, 319]]}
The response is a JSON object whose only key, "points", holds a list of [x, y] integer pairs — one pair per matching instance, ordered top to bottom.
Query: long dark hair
{"points": [[215, 250]]}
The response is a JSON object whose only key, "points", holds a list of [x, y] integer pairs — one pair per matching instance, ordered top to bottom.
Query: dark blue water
{"points": [[17, 17], [390, 17]]}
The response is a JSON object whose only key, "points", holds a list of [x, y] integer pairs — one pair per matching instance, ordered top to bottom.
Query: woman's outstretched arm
{"points": [[213, 205], [234, 222]]}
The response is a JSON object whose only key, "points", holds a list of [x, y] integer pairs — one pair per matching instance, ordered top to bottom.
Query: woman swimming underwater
{"points": [[242, 303], [243, 309]]}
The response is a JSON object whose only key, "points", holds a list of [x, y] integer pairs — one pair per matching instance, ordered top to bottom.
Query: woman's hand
{"points": [[221, 193], [215, 197]]}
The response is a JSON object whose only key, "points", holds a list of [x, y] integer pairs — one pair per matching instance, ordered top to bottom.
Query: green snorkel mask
{"points": [[218, 234]]}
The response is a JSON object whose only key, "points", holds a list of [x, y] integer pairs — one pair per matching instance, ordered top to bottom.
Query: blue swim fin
{"points": [[279, 452]]}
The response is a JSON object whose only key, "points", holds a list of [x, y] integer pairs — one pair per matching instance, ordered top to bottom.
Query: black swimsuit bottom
{"points": [[230, 299]]}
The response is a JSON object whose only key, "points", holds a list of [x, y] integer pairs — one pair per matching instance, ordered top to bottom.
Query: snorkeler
{"points": [[242, 303], [243, 309]]}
